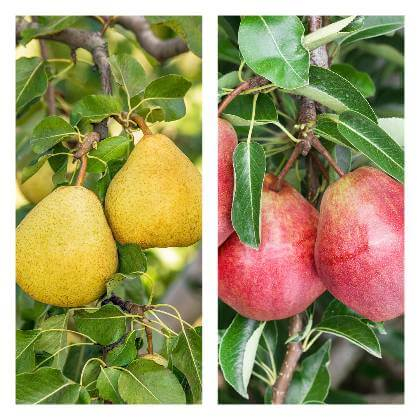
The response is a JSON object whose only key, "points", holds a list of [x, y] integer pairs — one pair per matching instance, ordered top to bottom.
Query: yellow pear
{"points": [[38, 185], [155, 198], [65, 250]]}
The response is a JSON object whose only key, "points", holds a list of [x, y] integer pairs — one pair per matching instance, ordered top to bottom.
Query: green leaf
{"points": [[48, 25], [375, 26], [189, 28], [327, 33], [272, 47], [385, 51], [128, 73], [359, 79], [31, 81], [168, 87], [335, 92], [164, 97], [95, 108], [239, 111], [327, 128], [49, 132], [373, 142], [109, 149], [249, 167], [131, 259], [127, 287], [336, 308], [105, 325], [353, 330], [53, 341], [237, 351], [124, 353], [25, 355], [186, 356], [311, 382], [150, 383], [107, 385], [46, 386]]}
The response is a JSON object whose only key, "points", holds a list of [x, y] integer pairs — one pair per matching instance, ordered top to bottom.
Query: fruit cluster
{"points": [[65, 247], [354, 247]]}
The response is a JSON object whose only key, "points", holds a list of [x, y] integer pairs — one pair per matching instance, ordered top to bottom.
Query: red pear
{"points": [[227, 144], [359, 250], [279, 279]]}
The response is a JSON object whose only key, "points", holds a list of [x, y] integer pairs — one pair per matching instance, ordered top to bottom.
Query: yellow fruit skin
{"points": [[38, 185], [155, 198], [65, 250]]}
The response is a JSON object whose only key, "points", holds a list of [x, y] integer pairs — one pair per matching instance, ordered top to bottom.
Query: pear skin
{"points": [[227, 144], [39, 185], [155, 198], [65, 250], [359, 250], [279, 279]]}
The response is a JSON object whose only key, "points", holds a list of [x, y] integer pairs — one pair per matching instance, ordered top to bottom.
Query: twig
{"points": [[77, 38], [161, 49], [248, 84], [88, 143], [127, 306], [290, 361]]}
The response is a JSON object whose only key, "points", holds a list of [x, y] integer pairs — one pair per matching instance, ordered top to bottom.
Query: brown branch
{"points": [[76, 38], [161, 49], [248, 84], [87, 145], [127, 306], [290, 361]]}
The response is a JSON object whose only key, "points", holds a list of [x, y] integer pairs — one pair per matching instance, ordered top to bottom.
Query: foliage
{"points": [[359, 121], [100, 354]]}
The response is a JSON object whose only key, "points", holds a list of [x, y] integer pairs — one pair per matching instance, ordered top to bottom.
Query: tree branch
{"points": [[76, 38], [159, 48], [248, 84], [290, 361]]}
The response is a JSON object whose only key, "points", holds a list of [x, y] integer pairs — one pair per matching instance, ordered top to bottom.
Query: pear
{"points": [[227, 144], [38, 185], [155, 198], [359, 250], [65, 251], [279, 279]]}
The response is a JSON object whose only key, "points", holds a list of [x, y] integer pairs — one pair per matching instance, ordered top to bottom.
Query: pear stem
{"points": [[141, 124], [295, 154], [82, 172]]}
